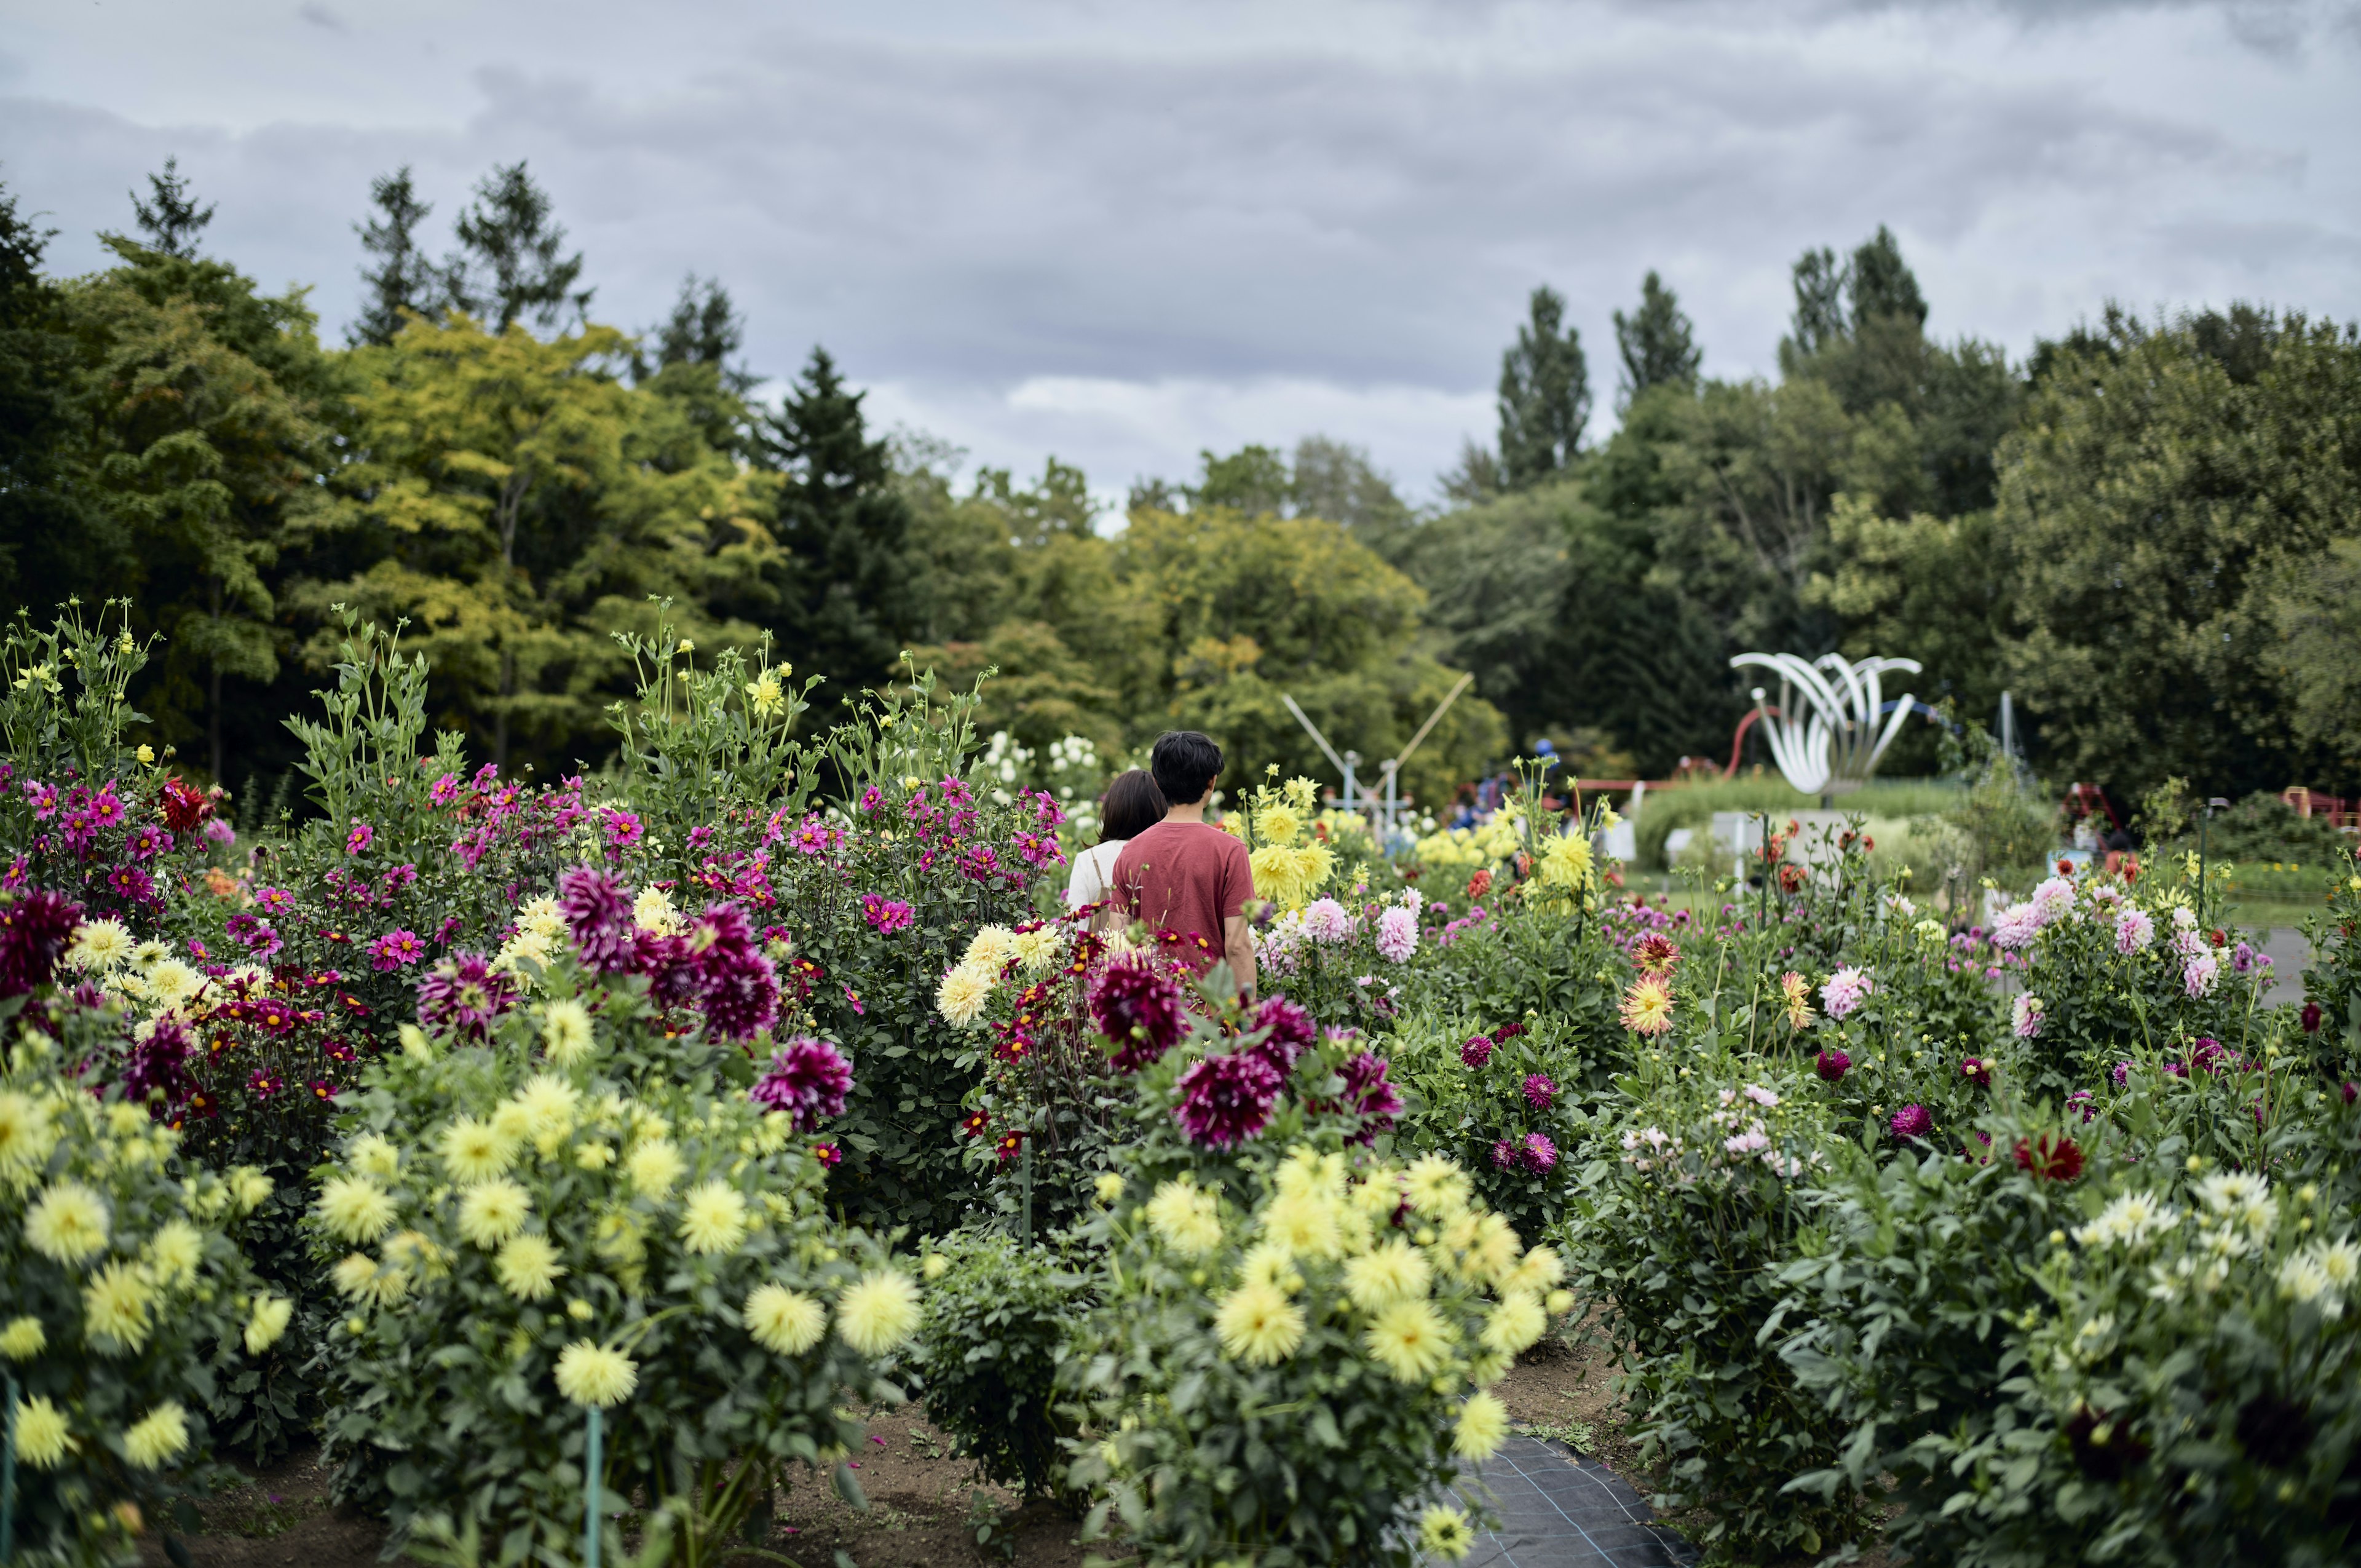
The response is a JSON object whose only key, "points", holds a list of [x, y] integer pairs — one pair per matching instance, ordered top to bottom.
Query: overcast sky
{"points": [[1121, 232]]}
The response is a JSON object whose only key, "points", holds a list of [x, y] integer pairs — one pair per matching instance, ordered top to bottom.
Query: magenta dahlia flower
{"points": [[599, 917], [34, 930], [739, 986], [464, 994], [1140, 1010], [1292, 1032], [1478, 1050], [1832, 1065], [809, 1079], [1539, 1091], [1370, 1092], [1226, 1100], [1912, 1122], [1504, 1153], [1537, 1153]]}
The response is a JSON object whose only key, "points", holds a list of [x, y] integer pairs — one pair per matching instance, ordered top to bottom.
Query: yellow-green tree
{"points": [[519, 504]]}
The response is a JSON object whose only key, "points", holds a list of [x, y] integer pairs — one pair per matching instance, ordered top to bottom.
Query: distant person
{"points": [[1131, 806], [1184, 875]]}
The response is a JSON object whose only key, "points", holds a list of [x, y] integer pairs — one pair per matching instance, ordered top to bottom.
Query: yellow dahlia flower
{"points": [[565, 1032], [473, 1151], [654, 1165], [355, 1208], [493, 1212], [713, 1220], [1186, 1220], [67, 1223], [528, 1267], [1387, 1275], [115, 1305], [878, 1312], [272, 1314], [787, 1322], [1258, 1324], [23, 1339], [1410, 1339], [590, 1374], [1483, 1423], [162, 1435], [42, 1440]]}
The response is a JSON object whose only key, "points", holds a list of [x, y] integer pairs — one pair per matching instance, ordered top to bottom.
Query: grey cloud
{"points": [[964, 215]]}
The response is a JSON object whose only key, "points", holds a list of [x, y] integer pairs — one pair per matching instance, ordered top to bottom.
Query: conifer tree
{"points": [[173, 224], [508, 265], [403, 279], [1657, 345], [1544, 395], [845, 526]]}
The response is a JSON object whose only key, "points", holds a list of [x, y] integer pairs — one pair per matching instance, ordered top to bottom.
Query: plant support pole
{"points": [[592, 1467], [8, 1477]]}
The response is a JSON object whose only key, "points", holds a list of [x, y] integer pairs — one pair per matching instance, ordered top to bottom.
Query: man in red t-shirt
{"points": [[1183, 874]]}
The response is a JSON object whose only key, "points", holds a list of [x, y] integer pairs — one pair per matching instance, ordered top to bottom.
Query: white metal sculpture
{"points": [[1831, 746]]}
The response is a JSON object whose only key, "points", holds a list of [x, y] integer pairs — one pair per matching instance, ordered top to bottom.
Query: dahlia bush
{"points": [[551, 1204], [124, 1296], [1290, 1367]]}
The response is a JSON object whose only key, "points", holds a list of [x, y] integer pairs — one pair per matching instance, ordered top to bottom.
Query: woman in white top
{"points": [[1131, 806]]}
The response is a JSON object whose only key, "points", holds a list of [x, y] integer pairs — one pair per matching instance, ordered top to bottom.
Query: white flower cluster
{"points": [[2131, 1221]]}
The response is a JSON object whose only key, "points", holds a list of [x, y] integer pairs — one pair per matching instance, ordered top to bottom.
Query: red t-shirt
{"points": [[1185, 877]]}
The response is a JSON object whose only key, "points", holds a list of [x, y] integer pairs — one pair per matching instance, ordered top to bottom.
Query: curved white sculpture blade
{"points": [[1831, 744]]}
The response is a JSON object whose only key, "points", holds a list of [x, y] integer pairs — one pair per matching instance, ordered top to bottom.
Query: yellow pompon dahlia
{"points": [[1566, 862], [989, 950], [1039, 951], [960, 997], [1647, 1007], [566, 1033], [549, 1104], [27, 1133], [473, 1151], [374, 1155], [654, 1166], [1304, 1174], [1436, 1186], [1109, 1187], [248, 1188], [355, 1208], [493, 1212], [713, 1220], [1186, 1220], [67, 1223], [1306, 1225], [173, 1254], [1493, 1254], [1266, 1262], [528, 1267], [935, 1267], [1537, 1270], [1387, 1275], [355, 1276], [1560, 1303], [114, 1306], [878, 1312], [272, 1314], [787, 1322], [1515, 1323], [1258, 1324], [23, 1339], [1410, 1339], [590, 1374], [1483, 1424], [161, 1435], [42, 1440], [1444, 1531]]}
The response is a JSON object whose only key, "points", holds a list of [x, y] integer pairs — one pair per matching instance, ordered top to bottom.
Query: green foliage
{"points": [[1655, 342], [1544, 394], [2158, 502], [63, 692], [497, 1207], [997, 1315]]}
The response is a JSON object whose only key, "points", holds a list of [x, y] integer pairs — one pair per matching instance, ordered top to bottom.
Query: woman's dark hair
{"points": [[1185, 764], [1132, 805]]}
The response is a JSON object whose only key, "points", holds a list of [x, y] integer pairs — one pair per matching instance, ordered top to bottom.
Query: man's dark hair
{"points": [[1185, 764], [1133, 806]]}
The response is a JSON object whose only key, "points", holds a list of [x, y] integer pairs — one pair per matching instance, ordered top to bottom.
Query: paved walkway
{"points": [[2289, 955], [1558, 1510]]}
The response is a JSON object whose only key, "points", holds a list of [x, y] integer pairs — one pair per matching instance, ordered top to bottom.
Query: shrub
{"points": [[1499, 1098], [1692, 1201], [564, 1216], [121, 1289], [996, 1319], [1290, 1366]]}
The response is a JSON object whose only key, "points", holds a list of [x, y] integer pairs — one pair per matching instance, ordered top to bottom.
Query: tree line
{"points": [[2148, 531]]}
